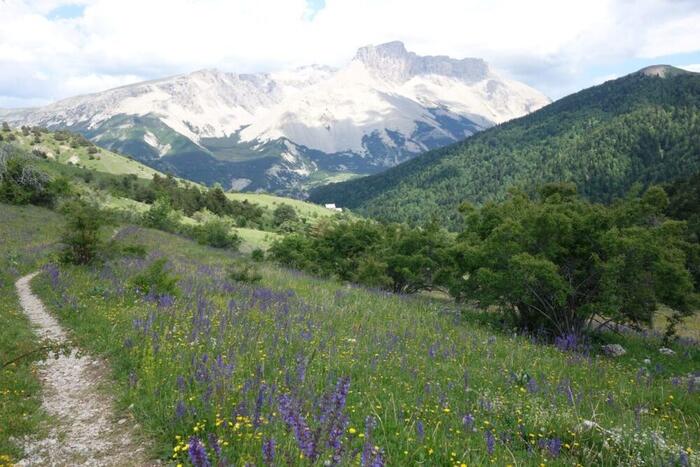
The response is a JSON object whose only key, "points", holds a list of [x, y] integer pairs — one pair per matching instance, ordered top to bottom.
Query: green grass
{"points": [[103, 161], [321, 177], [304, 209], [27, 236], [253, 239], [689, 327], [411, 362]]}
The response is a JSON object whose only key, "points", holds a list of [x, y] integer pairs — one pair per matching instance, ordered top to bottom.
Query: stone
{"points": [[613, 350], [667, 351]]}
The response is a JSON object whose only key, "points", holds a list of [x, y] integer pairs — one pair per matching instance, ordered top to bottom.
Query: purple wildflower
{"points": [[532, 386], [180, 409], [334, 418], [294, 420], [468, 422], [420, 430], [490, 442], [214, 443], [553, 446], [367, 450], [268, 451], [198, 455]]}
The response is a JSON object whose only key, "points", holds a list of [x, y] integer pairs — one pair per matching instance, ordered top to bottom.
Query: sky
{"points": [[52, 49]]}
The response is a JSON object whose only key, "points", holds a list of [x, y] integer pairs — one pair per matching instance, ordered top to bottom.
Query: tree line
{"points": [[550, 261]]}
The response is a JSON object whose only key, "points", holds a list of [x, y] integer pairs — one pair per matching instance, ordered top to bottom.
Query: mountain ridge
{"points": [[279, 131]]}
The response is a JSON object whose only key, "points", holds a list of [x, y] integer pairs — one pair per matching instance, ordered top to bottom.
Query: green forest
{"points": [[636, 130]]}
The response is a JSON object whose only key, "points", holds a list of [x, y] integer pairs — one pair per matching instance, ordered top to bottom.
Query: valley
{"points": [[402, 256]]}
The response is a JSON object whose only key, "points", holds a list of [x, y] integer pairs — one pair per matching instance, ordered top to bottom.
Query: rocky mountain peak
{"points": [[391, 61], [662, 71]]}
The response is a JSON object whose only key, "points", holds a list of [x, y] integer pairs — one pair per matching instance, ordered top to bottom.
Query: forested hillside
{"points": [[642, 128]]}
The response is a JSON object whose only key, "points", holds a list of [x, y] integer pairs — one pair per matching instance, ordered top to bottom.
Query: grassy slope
{"points": [[103, 161], [115, 164], [305, 210], [27, 235], [411, 362]]}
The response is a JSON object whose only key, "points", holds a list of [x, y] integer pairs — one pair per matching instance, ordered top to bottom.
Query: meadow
{"points": [[304, 209], [306, 371]]}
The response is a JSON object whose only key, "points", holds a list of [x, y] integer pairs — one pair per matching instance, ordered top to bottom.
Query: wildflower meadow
{"points": [[296, 370]]}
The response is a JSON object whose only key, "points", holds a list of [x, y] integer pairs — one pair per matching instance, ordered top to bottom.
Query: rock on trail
{"points": [[83, 429]]}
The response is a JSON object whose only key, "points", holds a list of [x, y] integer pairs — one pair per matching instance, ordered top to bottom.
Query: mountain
{"points": [[642, 128], [288, 130]]}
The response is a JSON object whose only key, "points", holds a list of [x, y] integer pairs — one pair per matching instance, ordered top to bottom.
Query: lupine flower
{"points": [[532, 385], [180, 409], [294, 420], [468, 422], [420, 430], [490, 442], [214, 443], [553, 446], [367, 449], [268, 451], [197, 453]]}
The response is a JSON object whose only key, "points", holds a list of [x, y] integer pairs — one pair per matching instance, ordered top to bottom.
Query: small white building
{"points": [[333, 207]]}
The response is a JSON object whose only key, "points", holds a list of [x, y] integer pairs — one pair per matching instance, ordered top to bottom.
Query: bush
{"points": [[22, 183], [284, 213], [161, 216], [217, 233], [81, 237], [133, 250], [257, 255], [393, 256], [244, 271], [156, 280]]}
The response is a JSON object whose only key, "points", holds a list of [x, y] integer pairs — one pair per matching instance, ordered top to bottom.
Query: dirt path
{"points": [[84, 430]]}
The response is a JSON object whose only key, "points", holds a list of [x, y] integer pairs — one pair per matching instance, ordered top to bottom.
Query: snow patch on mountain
{"points": [[152, 140]]}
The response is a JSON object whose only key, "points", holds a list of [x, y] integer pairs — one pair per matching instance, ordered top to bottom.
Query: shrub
{"points": [[22, 183], [284, 213], [161, 216], [217, 233], [81, 237], [133, 250], [257, 255], [393, 256], [244, 271], [156, 280]]}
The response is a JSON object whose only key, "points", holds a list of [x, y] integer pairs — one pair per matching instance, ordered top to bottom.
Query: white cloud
{"points": [[114, 42], [695, 67]]}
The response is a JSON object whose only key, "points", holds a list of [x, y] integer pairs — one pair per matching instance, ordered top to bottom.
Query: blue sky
{"points": [[67, 11], [52, 49]]}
